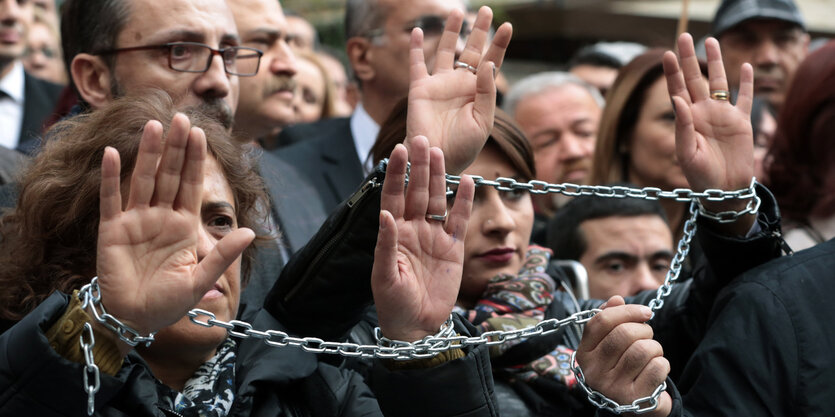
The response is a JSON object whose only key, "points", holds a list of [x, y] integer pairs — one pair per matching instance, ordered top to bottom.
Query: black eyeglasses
{"points": [[431, 25], [197, 57]]}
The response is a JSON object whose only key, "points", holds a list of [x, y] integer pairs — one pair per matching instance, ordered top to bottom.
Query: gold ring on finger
{"points": [[721, 95]]}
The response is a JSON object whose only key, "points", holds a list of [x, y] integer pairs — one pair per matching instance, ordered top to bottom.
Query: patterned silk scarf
{"points": [[516, 301], [211, 390]]}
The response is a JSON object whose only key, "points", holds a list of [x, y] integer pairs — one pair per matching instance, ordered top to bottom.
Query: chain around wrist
{"points": [[90, 295]]}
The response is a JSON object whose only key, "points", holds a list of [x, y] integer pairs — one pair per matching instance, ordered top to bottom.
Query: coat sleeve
{"points": [[325, 288], [749, 351], [34, 379], [462, 387]]}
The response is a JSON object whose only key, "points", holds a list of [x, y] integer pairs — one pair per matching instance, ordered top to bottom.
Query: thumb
{"points": [[614, 301]]}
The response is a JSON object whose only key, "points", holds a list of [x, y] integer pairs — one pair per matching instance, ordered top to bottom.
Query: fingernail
{"points": [[382, 221], [646, 311]]}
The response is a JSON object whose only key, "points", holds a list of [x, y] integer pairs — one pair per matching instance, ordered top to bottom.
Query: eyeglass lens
{"points": [[189, 57]]}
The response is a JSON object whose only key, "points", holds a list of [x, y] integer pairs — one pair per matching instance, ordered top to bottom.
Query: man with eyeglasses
{"points": [[768, 34], [191, 49], [25, 101], [333, 154]]}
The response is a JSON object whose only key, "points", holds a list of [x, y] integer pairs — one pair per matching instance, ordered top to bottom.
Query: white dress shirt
{"points": [[11, 106], [364, 130]]}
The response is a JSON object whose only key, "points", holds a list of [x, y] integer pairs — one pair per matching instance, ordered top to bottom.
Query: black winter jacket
{"points": [[768, 350], [36, 381]]}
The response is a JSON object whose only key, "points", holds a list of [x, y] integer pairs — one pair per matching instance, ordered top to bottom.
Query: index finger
{"points": [[604, 322]]}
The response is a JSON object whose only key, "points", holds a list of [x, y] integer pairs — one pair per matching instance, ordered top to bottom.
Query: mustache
{"points": [[279, 83], [218, 110]]}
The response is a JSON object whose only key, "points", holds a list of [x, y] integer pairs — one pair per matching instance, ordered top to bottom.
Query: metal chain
{"points": [[90, 295], [446, 339], [398, 350], [90, 368], [639, 406]]}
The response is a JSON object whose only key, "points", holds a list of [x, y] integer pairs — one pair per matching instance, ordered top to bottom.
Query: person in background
{"points": [[301, 34], [770, 35], [43, 50], [598, 64], [347, 93], [315, 96], [26, 102], [559, 114], [764, 122], [636, 143], [331, 153], [801, 171], [625, 244], [770, 333]]}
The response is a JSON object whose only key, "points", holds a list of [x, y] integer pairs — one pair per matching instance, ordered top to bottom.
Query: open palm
{"points": [[453, 107], [714, 139], [418, 262], [147, 264]]}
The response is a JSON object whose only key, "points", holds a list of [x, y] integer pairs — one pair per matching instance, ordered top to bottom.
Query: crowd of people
{"points": [[370, 230]]}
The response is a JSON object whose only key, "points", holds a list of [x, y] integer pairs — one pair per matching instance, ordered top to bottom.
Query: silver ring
{"points": [[459, 64], [437, 217]]}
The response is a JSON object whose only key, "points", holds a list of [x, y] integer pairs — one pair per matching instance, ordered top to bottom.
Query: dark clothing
{"points": [[40, 97], [324, 153], [11, 162], [297, 212], [324, 291], [768, 349], [36, 381]]}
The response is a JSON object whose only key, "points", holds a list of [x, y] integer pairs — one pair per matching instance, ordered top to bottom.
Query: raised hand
{"points": [[453, 107], [714, 138], [418, 262], [147, 263], [619, 358]]}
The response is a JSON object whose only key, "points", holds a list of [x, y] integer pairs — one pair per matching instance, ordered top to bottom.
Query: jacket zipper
{"points": [[343, 227], [171, 412]]}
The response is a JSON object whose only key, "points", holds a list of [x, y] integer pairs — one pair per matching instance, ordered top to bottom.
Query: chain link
{"points": [[91, 296], [427, 347], [90, 368], [640, 406]]}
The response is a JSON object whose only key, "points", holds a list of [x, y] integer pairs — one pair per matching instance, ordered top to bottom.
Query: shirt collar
{"points": [[12, 83], [364, 130]]}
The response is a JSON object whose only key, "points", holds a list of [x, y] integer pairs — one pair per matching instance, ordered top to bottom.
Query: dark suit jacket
{"points": [[40, 97], [325, 155], [11, 162], [298, 214]]}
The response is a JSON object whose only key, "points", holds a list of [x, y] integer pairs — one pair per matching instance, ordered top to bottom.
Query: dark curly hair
{"points": [[49, 239]]}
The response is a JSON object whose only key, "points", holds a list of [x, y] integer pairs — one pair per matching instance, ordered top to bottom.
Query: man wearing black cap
{"points": [[768, 34]]}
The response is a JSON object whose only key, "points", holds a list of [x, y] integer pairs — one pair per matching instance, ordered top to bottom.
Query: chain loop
{"points": [[91, 296], [90, 368], [640, 406]]}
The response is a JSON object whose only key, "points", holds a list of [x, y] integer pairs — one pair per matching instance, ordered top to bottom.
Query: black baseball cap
{"points": [[733, 12]]}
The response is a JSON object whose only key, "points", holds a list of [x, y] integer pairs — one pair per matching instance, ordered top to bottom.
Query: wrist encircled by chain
{"points": [[91, 296]]}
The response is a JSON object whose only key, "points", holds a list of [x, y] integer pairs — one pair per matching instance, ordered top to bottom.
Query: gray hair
{"points": [[362, 16], [538, 83]]}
